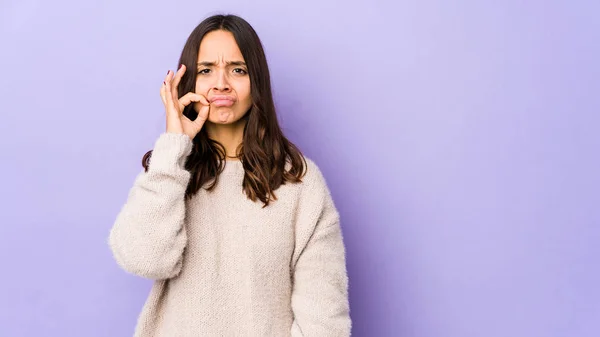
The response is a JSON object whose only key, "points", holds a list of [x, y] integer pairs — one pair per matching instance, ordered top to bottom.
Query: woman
{"points": [[236, 226]]}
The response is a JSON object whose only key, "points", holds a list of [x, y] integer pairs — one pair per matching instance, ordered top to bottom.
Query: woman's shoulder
{"points": [[313, 180], [315, 195]]}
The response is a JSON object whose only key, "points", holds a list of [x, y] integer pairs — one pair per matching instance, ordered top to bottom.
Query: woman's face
{"points": [[223, 78]]}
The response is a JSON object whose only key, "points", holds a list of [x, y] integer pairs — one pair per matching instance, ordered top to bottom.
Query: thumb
{"points": [[203, 113]]}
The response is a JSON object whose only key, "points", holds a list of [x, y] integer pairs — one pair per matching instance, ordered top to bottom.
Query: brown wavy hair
{"points": [[264, 150]]}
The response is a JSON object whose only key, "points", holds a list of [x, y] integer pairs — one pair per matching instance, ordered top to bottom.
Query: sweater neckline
{"points": [[233, 167]]}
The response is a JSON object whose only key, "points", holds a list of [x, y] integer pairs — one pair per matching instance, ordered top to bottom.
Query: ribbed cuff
{"points": [[171, 151]]}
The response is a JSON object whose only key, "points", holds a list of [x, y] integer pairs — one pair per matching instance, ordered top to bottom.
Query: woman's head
{"points": [[224, 56], [225, 61]]}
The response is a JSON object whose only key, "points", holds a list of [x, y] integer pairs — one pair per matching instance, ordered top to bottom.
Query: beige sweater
{"points": [[225, 266]]}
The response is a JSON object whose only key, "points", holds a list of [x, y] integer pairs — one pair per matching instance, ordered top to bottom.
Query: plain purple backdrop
{"points": [[459, 139]]}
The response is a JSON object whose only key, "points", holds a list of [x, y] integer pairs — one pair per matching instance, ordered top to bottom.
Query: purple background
{"points": [[459, 139]]}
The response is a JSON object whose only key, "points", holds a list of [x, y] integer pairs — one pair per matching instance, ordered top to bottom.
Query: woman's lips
{"points": [[222, 100]]}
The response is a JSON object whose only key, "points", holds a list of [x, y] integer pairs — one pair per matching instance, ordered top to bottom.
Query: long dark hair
{"points": [[264, 150]]}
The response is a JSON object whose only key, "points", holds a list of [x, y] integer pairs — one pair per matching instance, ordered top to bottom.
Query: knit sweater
{"points": [[222, 264]]}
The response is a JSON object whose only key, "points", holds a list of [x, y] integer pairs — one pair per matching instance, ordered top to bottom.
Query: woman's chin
{"points": [[223, 116]]}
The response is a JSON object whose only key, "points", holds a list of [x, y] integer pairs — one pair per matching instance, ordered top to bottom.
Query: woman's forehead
{"points": [[219, 46]]}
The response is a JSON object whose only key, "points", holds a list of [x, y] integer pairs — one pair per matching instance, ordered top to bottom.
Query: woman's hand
{"points": [[177, 122]]}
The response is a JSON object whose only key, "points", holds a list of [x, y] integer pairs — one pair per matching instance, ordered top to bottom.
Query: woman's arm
{"points": [[148, 236], [320, 282]]}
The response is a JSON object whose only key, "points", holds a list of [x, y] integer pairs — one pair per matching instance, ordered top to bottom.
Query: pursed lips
{"points": [[222, 100]]}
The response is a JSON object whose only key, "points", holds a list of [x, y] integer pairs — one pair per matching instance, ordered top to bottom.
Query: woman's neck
{"points": [[229, 135]]}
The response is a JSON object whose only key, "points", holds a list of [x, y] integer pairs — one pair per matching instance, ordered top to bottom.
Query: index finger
{"points": [[186, 99]]}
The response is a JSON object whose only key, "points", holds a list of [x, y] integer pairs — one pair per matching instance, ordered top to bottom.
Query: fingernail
{"points": [[181, 65], [168, 71], [165, 83]]}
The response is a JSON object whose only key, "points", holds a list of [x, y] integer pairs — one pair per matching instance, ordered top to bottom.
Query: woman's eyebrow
{"points": [[228, 63]]}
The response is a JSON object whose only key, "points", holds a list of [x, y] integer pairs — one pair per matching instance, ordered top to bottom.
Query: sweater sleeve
{"points": [[148, 236], [320, 283]]}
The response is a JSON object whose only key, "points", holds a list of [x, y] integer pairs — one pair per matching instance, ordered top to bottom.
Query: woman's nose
{"points": [[221, 84]]}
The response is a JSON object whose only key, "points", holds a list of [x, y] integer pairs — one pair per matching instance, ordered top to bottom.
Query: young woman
{"points": [[236, 226]]}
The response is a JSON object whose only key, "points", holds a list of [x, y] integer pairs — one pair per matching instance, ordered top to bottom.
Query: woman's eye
{"points": [[204, 71], [239, 71]]}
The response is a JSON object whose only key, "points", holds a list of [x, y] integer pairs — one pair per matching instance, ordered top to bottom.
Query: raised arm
{"points": [[148, 236]]}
